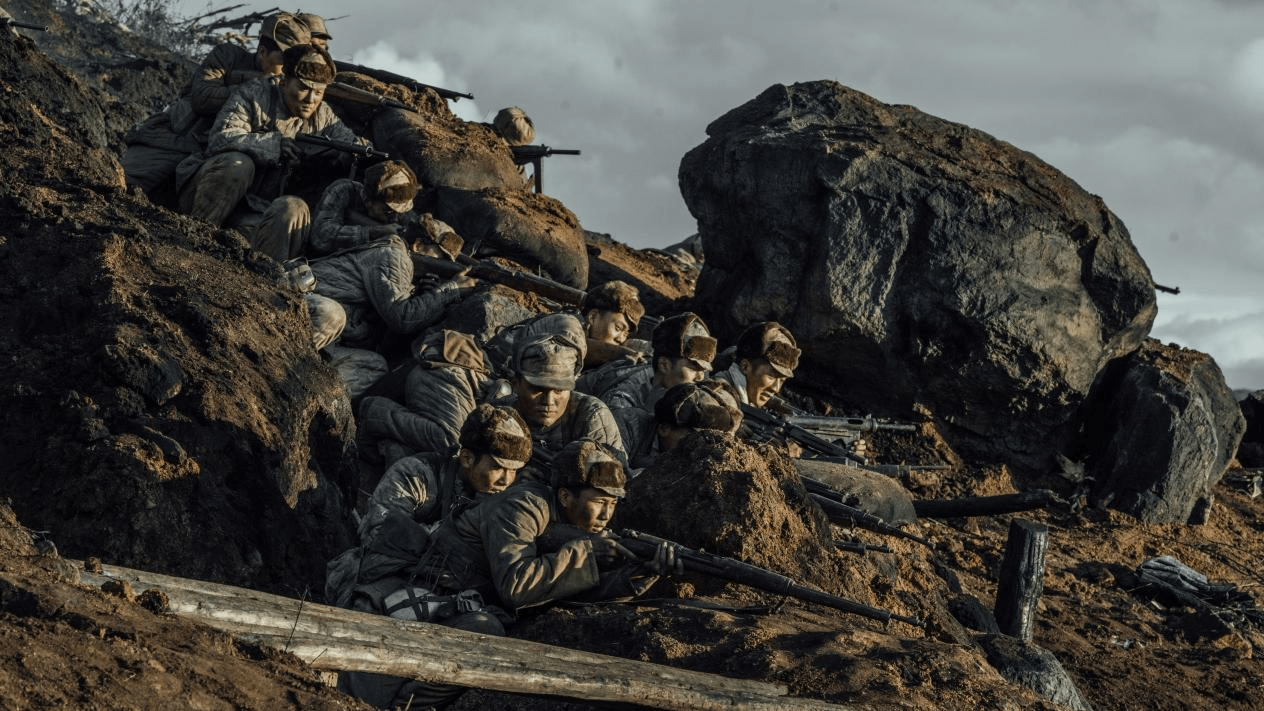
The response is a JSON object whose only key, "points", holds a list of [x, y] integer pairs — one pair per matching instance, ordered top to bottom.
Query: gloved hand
{"points": [[291, 152]]}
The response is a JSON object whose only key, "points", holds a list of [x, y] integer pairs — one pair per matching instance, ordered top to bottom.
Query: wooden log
{"points": [[984, 505], [1022, 578], [346, 640]]}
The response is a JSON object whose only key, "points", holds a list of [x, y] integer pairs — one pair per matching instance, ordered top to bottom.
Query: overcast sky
{"points": [[1156, 105]]}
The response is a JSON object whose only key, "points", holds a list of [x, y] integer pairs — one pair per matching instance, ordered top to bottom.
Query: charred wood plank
{"points": [[984, 505], [1022, 578]]}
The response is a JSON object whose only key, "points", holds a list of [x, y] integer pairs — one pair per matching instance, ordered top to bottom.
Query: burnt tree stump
{"points": [[1022, 578]]}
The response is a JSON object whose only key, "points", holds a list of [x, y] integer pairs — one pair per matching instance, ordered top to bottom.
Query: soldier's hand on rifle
{"points": [[290, 150], [463, 281]]}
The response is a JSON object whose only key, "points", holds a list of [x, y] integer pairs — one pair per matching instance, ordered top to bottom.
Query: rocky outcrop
{"points": [[918, 262], [1163, 430]]}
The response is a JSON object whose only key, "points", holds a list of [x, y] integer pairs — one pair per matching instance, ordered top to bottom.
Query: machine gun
{"points": [[10, 22], [392, 78], [535, 155], [495, 273], [782, 425], [846, 428], [643, 545]]}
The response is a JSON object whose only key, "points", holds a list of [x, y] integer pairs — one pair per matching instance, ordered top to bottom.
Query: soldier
{"points": [[316, 26], [157, 145], [240, 180], [372, 272], [612, 312], [683, 351], [765, 358], [545, 368], [450, 378], [690, 407], [493, 445], [535, 544]]}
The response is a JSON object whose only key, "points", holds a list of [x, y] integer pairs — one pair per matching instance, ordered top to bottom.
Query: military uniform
{"points": [[159, 143], [220, 186], [448, 382], [585, 417]]}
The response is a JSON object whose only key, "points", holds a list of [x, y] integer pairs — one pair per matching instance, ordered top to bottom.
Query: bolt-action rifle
{"points": [[392, 78], [339, 91], [535, 155], [495, 273], [831, 502], [644, 545]]}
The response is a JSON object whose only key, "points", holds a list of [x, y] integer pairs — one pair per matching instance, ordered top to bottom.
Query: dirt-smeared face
{"points": [[301, 100], [608, 327], [671, 372], [762, 382], [540, 407], [484, 474], [590, 510]]}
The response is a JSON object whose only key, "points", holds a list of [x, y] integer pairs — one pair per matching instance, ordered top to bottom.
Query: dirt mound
{"points": [[163, 407], [71, 647]]}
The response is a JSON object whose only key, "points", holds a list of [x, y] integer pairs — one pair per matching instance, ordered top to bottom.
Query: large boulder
{"points": [[918, 261], [1163, 426]]}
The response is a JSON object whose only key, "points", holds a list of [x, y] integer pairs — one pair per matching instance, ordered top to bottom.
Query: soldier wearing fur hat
{"points": [[157, 145], [240, 180], [612, 311], [683, 351], [764, 359], [494, 444]]}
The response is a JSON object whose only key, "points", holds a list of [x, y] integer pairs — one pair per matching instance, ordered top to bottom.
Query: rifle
{"points": [[10, 22], [392, 78], [346, 92], [356, 149], [535, 154], [490, 271], [782, 425], [831, 502], [644, 546], [859, 547]]}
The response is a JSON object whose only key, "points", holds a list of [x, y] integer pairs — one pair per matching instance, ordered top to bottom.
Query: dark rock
{"points": [[917, 261], [1163, 426], [1251, 450], [972, 614], [1035, 668]]}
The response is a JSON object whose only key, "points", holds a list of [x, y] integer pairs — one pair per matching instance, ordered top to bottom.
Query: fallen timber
{"points": [[985, 505], [331, 638]]}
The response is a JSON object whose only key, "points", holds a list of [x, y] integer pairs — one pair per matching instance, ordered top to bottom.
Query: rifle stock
{"points": [[339, 91], [644, 545]]}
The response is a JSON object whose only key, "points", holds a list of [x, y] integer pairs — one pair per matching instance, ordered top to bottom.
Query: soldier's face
{"points": [[270, 62], [300, 99], [608, 327], [675, 371], [762, 382], [540, 407], [484, 474], [590, 510]]}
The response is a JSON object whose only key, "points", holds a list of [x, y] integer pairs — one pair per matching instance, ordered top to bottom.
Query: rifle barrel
{"points": [[10, 22], [846, 424], [643, 545]]}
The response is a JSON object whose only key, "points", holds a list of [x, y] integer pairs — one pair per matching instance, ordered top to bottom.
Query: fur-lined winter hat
{"points": [[311, 65], [515, 126], [391, 182], [619, 297], [684, 336], [772, 342], [707, 405], [498, 431], [588, 463]]}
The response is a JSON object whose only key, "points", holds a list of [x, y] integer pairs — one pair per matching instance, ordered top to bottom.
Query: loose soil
{"points": [[160, 411]]}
